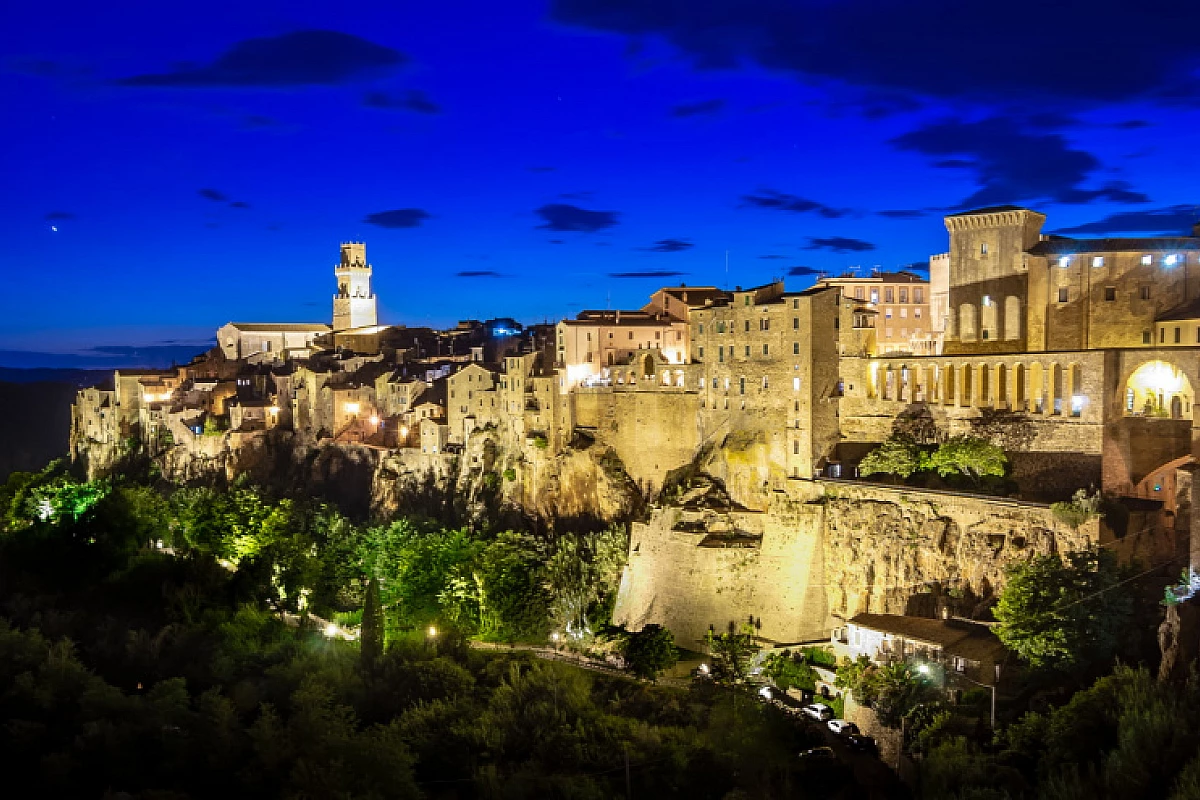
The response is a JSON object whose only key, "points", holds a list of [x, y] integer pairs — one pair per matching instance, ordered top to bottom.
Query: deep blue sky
{"points": [[170, 167]]}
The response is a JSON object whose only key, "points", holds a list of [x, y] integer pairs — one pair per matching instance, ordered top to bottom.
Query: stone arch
{"points": [[1012, 317], [966, 322], [988, 327], [647, 363], [948, 384], [985, 385], [1037, 387], [1002, 388], [1020, 388], [1056, 388], [1159, 389], [965, 395]]}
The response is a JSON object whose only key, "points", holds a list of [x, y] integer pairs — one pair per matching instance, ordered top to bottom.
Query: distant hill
{"points": [[73, 375], [35, 418]]}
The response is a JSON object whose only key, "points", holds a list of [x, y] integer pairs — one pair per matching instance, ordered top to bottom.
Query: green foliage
{"points": [[215, 426], [540, 441], [898, 455], [971, 456], [510, 474], [1079, 509], [582, 574], [1062, 612], [371, 633], [649, 652], [731, 653], [819, 656], [790, 671], [892, 690], [1127, 735]]}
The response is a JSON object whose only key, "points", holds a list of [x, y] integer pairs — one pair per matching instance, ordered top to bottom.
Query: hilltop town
{"points": [[733, 422]]}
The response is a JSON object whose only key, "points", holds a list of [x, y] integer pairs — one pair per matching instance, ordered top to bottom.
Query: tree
{"points": [[898, 455], [970, 456], [1058, 612], [371, 638], [649, 652], [731, 653], [790, 670]]}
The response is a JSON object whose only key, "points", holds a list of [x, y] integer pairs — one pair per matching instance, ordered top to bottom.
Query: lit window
{"points": [[983, 251], [1147, 260], [1171, 260], [1064, 261], [1097, 261], [904, 313], [917, 313], [795, 384]]}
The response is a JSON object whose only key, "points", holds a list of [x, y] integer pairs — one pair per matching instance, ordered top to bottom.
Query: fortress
{"points": [[738, 417]]}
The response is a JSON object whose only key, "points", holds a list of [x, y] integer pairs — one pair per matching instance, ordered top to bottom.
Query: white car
{"points": [[818, 711], [841, 726]]}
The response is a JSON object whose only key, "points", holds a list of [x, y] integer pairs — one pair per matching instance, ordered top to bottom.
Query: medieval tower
{"points": [[354, 303]]}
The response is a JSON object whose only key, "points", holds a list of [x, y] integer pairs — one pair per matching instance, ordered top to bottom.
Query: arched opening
{"points": [[1012, 317], [987, 319], [966, 322], [648, 366], [948, 384], [985, 385], [1056, 386], [1037, 387], [1020, 389], [1158, 389], [964, 397], [1002, 400]]}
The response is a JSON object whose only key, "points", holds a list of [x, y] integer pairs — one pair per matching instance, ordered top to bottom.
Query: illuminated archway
{"points": [[1158, 389]]}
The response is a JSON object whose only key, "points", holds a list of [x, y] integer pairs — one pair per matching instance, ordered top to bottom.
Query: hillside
{"points": [[35, 423]]}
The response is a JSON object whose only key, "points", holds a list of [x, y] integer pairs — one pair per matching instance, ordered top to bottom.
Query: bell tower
{"points": [[354, 303]]}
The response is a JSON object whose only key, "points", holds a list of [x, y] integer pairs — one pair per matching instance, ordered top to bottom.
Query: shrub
{"points": [[510, 474]]}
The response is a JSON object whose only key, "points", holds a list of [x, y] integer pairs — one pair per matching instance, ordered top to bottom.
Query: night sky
{"points": [[170, 167]]}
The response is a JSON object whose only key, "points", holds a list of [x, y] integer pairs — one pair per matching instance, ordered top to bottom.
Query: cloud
{"points": [[907, 47], [301, 58], [412, 100], [702, 108], [1012, 164], [214, 195], [780, 201], [239, 204], [902, 213], [58, 216], [565, 217], [398, 218], [1170, 221], [839, 244], [670, 246], [918, 266], [803, 272], [478, 273], [650, 273]]}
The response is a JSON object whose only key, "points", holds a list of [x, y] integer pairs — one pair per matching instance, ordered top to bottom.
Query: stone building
{"points": [[354, 303], [900, 304], [270, 341], [593, 343]]}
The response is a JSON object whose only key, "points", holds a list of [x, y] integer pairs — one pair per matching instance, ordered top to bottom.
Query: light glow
{"points": [[1171, 260], [1064, 261], [351, 408], [374, 419], [432, 632]]}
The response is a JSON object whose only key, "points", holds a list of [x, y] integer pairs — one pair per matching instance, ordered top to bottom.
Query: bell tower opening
{"points": [[354, 303]]}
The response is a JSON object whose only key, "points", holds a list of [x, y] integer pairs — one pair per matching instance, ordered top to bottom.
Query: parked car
{"points": [[818, 711], [841, 727], [862, 743], [818, 754]]}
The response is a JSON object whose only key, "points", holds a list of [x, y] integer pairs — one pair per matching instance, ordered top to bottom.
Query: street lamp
{"points": [[432, 632]]}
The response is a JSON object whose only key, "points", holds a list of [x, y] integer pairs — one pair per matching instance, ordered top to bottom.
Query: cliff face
{"points": [[823, 552]]}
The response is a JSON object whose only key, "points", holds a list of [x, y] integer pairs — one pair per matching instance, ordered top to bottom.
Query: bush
{"points": [[898, 455], [510, 474], [1079, 509]]}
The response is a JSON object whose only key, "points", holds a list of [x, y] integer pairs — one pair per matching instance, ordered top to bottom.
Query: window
{"points": [[983, 249], [1147, 260], [1097, 261], [1110, 293], [1144, 293], [1063, 294], [858, 295], [874, 295], [888, 295], [904, 295], [918, 295], [747, 299], [795, 303], [887, 313], [904, 313], [917, 313], [795, 323], [764, 324], [747, 326], [701, 329], [887, 333], [631, 334], [658, 334], [1162, 335], [1176, 335], [589, 336], [1145, 340], [795, 348], [765, 350], [747, 351], [702, 352], [720, 355], [766, 382], [714, 383], [795, 384], [741, 385]]}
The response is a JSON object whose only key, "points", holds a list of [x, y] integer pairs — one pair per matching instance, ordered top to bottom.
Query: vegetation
{"points": [[972, 457], [1079, 509], [1057, 612], [649, 652], [732, 653], [129, 670], [790, 671], [892, 690], [1127, 735]]}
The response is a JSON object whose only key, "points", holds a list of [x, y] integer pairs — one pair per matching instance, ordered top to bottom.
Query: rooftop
{"points": [[1062, 245], [281, 326], [955, 636]]}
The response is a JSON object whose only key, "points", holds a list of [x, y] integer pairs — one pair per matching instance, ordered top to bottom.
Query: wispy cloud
{"points": [[398, 218], [567, 218]]}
